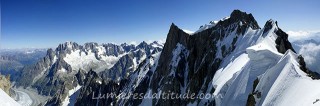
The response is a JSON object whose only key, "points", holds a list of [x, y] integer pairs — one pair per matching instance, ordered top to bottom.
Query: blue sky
{"points": [[46, 23]]}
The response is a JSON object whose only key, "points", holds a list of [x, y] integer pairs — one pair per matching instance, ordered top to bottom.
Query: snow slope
{"points": [[255, 54], [80, 60], [223, 75], [138, 76], [281, 81], [286, 84], [6, 100], [70, 100]]}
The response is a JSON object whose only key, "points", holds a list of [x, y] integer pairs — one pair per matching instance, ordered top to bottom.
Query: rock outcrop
{"points": [[5, 83]]}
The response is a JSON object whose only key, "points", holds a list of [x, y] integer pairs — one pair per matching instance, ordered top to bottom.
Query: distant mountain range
{"points": [[13, 60], [65, 67]]}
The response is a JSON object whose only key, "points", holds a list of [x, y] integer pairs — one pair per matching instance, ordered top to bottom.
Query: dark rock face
{"points": [[243, 19], [248, 19], [268, 26], [174, 37], [282, 41], [90, 46], [127, 47], [66, 48], [148, 48], [116, 50], [201, 62], [125, 65], [304, 68], [121, 69], [197, 70], [28, 73], [80, 76], [52, 80], [5, 83], [124, 86], [93, 89], [61, 93], [56, 100], [251, 100]]}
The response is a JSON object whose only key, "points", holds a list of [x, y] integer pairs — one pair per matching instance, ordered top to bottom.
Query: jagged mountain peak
{"points": [[238, 16], [242, 20], [268, 25], [174, 27], [282, 42], [143, 43], [126, 44], [156, 44], [69, 45], [90, 45], [69, 64]]}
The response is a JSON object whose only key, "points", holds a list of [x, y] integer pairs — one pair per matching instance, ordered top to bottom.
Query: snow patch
{"points": [[210, 25], [188, 31], [176, 57], [80, 60], [62, 70], [72, 96]]}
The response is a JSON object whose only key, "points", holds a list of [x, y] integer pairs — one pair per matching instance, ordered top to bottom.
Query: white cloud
{"points": [[298, 33], [303, 35], [162, 40], [148, 41], [159, 41], [133, 43], [311, 54]]}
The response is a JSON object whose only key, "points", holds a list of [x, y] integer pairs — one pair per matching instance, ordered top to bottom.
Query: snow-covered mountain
{"points": [[233, 59], [63, 70]]}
